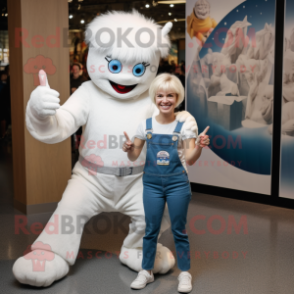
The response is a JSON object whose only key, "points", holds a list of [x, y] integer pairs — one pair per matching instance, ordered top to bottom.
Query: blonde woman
{"points": [[165, 177]]}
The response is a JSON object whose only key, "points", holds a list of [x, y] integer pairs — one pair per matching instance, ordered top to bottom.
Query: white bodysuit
{"points": [[115, 101], [88, 194]]}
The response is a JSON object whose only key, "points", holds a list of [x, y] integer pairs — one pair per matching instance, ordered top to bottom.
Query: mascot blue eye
{"points": [[114, 66], [139, 69]]}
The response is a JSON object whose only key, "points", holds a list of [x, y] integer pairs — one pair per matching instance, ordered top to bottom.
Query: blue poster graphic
{"points": [[230, 85]]}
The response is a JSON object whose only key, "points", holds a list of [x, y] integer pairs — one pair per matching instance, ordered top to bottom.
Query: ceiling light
{"points": [[172, 2], [147, 5], [171, 5], [169, 13], [70, 16], [176, 19], [82, 21]]}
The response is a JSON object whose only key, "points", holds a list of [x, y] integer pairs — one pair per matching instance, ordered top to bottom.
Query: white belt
{"points": [[117, 171]]}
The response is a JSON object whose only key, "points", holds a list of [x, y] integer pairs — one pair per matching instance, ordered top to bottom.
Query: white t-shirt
{"points": [[166, 129]]}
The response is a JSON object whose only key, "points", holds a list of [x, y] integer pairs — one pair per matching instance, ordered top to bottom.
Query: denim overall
{"points": [[165, 180]]}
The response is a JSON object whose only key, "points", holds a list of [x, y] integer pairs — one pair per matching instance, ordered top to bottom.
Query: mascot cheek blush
{"points": [[116, 99]]}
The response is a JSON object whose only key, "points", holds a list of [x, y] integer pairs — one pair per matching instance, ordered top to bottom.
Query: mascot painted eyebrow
{"points": [[122, 61]]}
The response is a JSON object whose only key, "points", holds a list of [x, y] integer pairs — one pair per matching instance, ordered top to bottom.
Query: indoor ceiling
{"points": [[82, 12]]}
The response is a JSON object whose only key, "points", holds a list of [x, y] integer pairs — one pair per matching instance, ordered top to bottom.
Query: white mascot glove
{"points": [[43, 101], [190, 122]]}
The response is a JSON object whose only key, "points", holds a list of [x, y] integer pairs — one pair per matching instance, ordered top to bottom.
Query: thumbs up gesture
{"points": [[43, 101], [203, 139], [128, 144]]}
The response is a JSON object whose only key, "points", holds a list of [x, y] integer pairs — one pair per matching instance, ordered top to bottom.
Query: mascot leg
{"points": [[57, 246], [131, 251]]}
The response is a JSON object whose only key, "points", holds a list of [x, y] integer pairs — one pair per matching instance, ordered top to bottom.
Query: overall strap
{"points": [[149, 124], [179, 127], [149, 128], [177, 132]]}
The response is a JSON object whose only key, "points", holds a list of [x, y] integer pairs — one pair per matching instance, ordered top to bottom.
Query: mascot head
{"points": [[202, 9], [124, 52]]}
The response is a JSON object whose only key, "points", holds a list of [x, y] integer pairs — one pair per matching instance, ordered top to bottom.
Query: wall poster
{"points": [[229, 86]]}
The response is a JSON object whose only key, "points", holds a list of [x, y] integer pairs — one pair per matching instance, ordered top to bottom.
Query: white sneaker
{"points": [[142, 280], [185, 282]]}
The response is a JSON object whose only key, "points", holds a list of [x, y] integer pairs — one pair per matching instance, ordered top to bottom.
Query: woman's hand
{"points": [[203, 139], [128, 144], [133, 148], [193, 148]]}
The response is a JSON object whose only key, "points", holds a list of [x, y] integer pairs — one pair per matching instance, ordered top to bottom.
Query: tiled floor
{"points": [[256, 260]]}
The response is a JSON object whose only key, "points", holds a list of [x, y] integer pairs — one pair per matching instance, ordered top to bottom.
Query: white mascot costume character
{"points": [[124, 53]]}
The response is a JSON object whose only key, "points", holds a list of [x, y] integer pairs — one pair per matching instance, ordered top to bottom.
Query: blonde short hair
{"points": [[164, 82]]}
